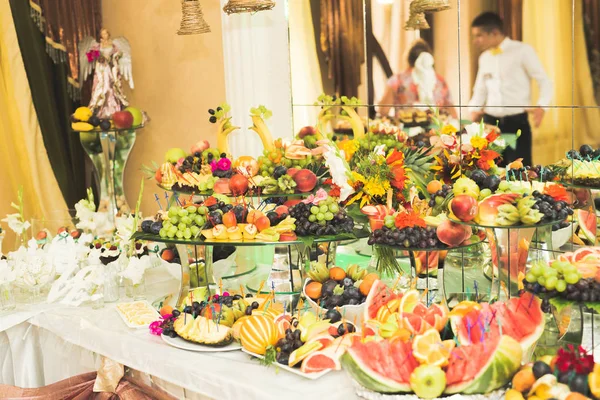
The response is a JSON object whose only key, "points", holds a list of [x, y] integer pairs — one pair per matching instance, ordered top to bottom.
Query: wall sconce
{"points": [[251, 6], [192, 19]]}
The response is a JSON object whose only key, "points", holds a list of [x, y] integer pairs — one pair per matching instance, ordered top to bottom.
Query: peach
{"points": [[306, 180], [253, 215], [262, 223], [452, 233]]}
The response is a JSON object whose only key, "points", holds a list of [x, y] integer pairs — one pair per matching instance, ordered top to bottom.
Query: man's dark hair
{"points": [[488, 21], [418, 47]]}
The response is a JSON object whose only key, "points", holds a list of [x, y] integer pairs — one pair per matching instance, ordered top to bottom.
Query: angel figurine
{"points": [[111, 59]]}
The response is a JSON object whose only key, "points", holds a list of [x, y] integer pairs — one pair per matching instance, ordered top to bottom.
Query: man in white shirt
{"points": [[502, 92]]}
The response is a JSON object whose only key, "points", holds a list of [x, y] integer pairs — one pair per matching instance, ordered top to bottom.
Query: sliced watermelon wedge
{"points": [[379, 295], [381, 366], [483, 367]]}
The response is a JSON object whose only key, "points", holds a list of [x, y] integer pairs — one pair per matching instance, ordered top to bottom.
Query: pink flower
{"points": [[92, 55], [224, 164], [213, 165], [312, 199], [155, 328]]}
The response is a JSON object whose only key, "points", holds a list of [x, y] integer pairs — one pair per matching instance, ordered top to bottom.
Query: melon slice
{"points": [[587, 224], [379, 295], [381, 366], [483, 367]]}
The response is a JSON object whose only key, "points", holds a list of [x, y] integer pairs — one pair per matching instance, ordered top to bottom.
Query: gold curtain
{"points": [[511, 12], [64, 23], [388, 29], [342, 42], [555, 48], [23, 158]]}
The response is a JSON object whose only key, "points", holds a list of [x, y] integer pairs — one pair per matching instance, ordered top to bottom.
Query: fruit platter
{"points": [[580, 167]]}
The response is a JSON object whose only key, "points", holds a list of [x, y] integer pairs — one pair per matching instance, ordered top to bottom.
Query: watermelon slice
{"points": [[587, 224], [379, 295], [521, 318], [381, 366], [483, 367]]}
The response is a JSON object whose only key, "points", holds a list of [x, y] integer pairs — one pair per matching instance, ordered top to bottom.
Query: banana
{"points": [[81, 126], [259, 126], [358, 128], [223, 130]]}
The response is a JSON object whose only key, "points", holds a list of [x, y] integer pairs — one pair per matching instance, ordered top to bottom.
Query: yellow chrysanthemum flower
{"points": [[448, 129], [479, 142], [349, 147], [356, 177], [373, 187]]}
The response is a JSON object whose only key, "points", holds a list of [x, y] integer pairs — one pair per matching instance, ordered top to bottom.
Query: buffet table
{"points": [[43, 344]]}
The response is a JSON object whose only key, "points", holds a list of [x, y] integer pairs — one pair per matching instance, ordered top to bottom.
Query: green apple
{"points": [[137, 115], [174, 154], [466, 186], [428, 381]]}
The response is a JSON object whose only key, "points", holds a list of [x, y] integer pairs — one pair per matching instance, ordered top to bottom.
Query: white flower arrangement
{"points": [[339, 170]]}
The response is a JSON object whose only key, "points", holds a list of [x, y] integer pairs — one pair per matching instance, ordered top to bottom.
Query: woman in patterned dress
{"points": [[418, 86]]}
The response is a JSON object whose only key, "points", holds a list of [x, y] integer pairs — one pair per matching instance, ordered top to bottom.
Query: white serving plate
{"points": [[135, 326], [183, 344], [314, 375]]}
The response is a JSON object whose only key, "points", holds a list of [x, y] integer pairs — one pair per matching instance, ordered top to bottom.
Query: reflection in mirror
{"points": [[327, 49]]}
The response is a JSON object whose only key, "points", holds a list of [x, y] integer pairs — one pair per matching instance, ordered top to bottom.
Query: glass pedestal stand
{"points": [[109, 152], [582, 198], [509, 247], [427, 270]]}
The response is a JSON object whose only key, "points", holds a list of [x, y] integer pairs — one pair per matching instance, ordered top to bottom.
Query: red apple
{"points": [[122, 119], [307, 130], [200, 146], [292, 171], [305, 179], [292, 202], [464, 207], [287, 237]]}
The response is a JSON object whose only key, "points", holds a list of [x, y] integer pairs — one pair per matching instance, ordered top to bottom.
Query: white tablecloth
{"points": [[39, 346]]}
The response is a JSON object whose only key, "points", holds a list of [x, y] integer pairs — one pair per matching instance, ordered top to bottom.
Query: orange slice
{"points": [[409, 301], [464, 307], [428, 348]]}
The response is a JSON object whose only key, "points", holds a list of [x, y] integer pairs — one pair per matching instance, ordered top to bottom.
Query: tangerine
{"points": [[434, 186], [337, 273], [371, 277], [365, 287], [313, 290], [166, 310], [523, 380]]}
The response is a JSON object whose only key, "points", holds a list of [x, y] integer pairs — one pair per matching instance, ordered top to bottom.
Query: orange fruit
{"points": [[434, 186], [337, 273], [365, 287], [313, 290], [409, 301], [464, 307], [166, 310], [429, 348], [523, 380], [576, 396]]}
